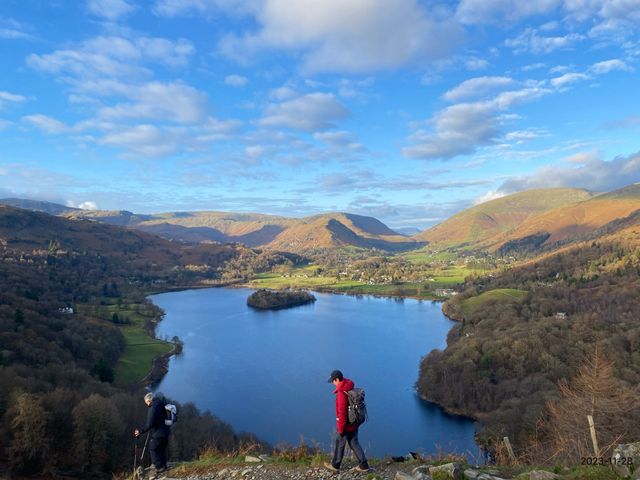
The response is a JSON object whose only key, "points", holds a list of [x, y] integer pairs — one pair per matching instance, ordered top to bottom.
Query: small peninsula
{"points": [[265, 299]]}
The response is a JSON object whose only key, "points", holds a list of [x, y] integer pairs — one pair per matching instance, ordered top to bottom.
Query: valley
{"points": [[535, 287]]}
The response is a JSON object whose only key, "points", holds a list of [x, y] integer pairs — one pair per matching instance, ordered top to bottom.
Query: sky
{"points": [[405, 110]]}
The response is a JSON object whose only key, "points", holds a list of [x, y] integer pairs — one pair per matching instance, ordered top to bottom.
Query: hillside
{"points": [[574, 222], [485, 224], [504, 359]]}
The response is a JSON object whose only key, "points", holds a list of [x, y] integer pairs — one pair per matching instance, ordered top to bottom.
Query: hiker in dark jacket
{"points": [[345, 432], [159, 440]]}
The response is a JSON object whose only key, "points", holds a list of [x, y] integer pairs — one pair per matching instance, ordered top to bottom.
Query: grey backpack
{"points": [[357, 410]]}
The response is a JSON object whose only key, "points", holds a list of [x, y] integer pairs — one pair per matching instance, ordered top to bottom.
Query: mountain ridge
{"points": [[523, 222]]}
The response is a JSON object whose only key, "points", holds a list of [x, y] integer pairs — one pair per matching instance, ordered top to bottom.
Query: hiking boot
{"points": [[330, 467], [362, 469]]}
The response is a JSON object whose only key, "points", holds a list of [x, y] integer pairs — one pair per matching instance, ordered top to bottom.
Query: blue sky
{"points": [[405, 110]]}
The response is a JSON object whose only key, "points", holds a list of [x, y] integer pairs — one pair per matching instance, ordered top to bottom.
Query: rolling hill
{"points": [[600, 214], [486, 224]]}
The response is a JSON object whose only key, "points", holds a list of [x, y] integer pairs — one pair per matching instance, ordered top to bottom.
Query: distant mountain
{"points": [[38, 206], [485, 225], [331, 230], [338, 230], [408, 231]]}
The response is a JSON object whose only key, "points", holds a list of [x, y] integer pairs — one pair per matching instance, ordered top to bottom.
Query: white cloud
{"points": [[172, 8], [109, 9], [497, 11], [11, 29], [13, 34], [346, 35], [530, 41], [161, 50], [112, 57], [476, 64], [607, 66], [567, 79], [236, 80], [477, 87], [7, 98], [172, 102], [309, 113], [46, 124], [215, 130], [458, 130], [145, 140], [584, 170], [490, 195], [85, 205]]}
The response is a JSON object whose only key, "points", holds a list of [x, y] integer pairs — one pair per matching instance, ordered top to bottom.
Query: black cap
{"points": [[335, 374]]}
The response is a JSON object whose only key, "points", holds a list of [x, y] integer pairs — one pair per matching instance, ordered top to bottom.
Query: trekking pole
{"points": [[144, 448], [135, 459]]}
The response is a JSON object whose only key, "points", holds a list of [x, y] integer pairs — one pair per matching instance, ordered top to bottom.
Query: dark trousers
{"points": [[354, 444], [158, 450]]}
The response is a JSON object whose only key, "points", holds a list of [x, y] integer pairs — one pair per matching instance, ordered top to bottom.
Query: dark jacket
{"points": [[342, 407], [155, 420]]}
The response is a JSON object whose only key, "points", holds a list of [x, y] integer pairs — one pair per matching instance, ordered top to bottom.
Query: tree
{"points": [[103, 371], [596, 392], [98, 429], [29, 445]]}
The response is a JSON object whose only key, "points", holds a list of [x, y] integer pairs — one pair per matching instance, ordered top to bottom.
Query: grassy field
{"points": [[424, 255], [305, 277], [472, 304], [140, 350]]}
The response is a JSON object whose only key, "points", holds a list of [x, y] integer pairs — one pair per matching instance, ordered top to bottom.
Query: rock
{"points": [[264, 457], [625, 458], [249, 459], [453, 470], [222, 472], [245, 472], [421, 472], [471, 474], [542, 475], [403, 476]]}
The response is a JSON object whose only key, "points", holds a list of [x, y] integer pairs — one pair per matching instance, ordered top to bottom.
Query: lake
{"points": [[266, 372]]}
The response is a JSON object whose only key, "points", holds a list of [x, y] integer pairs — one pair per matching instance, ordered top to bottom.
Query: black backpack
{"points": [[357, 410]]}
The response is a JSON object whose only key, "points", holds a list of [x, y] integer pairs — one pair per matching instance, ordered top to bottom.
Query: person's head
{"points": [[336, 377], [148, 399]]}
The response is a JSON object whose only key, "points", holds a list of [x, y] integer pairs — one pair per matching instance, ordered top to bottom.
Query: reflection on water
{"points": [[266, 372]]}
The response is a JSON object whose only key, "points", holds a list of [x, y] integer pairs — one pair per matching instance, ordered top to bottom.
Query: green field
{"points": [[424, 255], [304, 277], [470, 305], [135, 362]]}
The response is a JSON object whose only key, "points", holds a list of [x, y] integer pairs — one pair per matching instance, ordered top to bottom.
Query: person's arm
{"points": [[342, 406]]}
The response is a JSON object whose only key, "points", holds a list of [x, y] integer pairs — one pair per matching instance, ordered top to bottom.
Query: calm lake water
{"points": [[266, 372]]}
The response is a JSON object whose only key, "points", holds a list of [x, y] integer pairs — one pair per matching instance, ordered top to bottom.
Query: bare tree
{"points": [[595, 392]]}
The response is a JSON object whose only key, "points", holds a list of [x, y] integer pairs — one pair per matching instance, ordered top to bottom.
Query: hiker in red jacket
{"points": [[346, 432]]}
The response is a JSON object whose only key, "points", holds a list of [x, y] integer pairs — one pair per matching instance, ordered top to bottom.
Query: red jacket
{"points": [[342, 406]]}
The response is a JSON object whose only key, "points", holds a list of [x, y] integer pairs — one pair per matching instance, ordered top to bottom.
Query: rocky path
{"points": [[393, 471]]}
